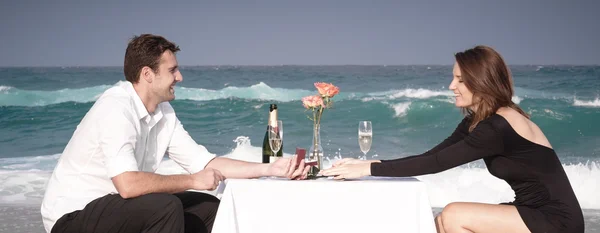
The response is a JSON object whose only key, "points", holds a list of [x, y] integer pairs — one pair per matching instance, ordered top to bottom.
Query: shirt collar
{"points": [[141, 110]]}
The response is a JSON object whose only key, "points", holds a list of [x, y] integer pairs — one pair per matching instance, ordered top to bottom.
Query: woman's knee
{"points": [[451, 216], [438, 223]]}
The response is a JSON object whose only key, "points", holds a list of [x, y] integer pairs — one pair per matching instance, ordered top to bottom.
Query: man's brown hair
{"points": [[145, 50]]}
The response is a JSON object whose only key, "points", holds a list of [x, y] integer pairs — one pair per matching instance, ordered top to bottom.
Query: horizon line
{"points": [[275, 65]]}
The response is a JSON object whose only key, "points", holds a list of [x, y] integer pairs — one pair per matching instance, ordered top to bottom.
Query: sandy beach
{"points": [[20, 219], [27, 219]]}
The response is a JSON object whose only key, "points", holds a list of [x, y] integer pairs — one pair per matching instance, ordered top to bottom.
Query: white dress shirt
{"points": [[117, 135]]}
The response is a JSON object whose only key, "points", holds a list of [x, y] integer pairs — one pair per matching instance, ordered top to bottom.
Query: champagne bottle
{"points": [[267, 154]]}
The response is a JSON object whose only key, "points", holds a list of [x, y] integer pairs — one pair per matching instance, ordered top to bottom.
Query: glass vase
{"points": [[315, 153]]}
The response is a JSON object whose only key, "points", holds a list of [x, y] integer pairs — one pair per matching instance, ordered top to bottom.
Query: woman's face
{"points": [[462, 96]]}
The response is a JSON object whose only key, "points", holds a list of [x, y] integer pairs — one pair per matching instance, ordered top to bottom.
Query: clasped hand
{"points": [[288, 168]]}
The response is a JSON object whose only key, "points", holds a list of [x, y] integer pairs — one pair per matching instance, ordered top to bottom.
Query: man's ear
{"points": [[147, 74]]}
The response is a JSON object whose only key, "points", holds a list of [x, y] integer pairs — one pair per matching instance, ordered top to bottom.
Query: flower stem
{"points": [[315, 148]]}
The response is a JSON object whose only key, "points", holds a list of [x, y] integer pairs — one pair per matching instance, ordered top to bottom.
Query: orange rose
{"points": [[327, 89], [312, 101]]}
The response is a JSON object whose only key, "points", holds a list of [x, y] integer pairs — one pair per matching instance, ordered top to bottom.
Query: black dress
{"points": [[543, 195]]}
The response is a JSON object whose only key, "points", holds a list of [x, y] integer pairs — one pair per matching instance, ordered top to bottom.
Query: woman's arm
{"points": [[482, 142]]}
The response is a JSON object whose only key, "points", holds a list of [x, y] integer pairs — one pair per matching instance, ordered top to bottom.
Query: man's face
{"points": [[163, 85]]}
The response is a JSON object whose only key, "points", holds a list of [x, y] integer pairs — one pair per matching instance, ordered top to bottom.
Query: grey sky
{"points": [[39, 33]]}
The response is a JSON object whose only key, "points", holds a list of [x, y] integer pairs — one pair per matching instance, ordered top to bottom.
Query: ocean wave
{"points": [[5, 88], [260, 91], [419, 93], [11, 96], [16, 97], [516, 99], [582, 103], [400, 109], [44, 162], [472, 184], [23, 186]]}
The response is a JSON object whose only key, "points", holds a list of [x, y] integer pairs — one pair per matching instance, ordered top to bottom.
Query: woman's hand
{"points": [[353, 161], [350, 169]]}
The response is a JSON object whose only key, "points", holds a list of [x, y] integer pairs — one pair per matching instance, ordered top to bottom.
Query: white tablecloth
{"points": [[308, 206]]}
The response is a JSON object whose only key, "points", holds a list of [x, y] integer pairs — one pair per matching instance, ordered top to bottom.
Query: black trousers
{"points": [[189, 212]]}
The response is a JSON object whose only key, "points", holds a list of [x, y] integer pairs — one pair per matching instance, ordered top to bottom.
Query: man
{"points": [[105, 180]]}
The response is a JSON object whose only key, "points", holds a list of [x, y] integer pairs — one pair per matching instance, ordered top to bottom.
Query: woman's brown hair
{"points": [[489, 79]]}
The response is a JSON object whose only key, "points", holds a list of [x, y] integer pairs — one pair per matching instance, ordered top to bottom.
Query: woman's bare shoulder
{"points": [[524, 126]]}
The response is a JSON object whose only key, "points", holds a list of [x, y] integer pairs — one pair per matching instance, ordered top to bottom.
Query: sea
{"points": [[225, 108]]}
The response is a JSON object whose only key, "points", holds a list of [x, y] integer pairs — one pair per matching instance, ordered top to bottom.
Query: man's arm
{"points": [[117, 139], [186, 152], [283, 167], [232, 168], [134, 183]]}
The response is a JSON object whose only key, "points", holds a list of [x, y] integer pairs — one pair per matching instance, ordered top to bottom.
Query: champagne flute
{"points": [[276, 136], [365, 137]]}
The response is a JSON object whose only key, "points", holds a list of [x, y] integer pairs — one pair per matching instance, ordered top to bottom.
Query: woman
{"points": [[513, 148]]}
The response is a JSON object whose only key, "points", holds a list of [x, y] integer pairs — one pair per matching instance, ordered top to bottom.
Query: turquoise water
{"points": [[410, 107]]}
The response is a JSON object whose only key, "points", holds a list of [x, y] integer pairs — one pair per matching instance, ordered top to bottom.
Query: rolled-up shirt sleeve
{"points": [[117, 142], [186, 152]]}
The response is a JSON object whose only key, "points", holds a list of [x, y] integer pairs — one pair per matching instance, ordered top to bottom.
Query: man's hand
{"points": [[286, 167], [207, 179]]}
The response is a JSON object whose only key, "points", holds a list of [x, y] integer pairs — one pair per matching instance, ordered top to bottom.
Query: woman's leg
{"points": [[479, 217], [438, 224]]}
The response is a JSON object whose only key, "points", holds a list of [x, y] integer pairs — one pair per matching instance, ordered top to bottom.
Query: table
{"points": [[368, 204]]}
